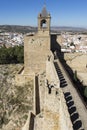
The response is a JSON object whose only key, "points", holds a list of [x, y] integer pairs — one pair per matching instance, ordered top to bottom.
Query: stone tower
{"points": [[44, 23], [37, 46]]}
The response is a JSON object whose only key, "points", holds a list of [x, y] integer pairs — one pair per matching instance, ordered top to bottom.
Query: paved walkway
{"points": [[68, 88]]}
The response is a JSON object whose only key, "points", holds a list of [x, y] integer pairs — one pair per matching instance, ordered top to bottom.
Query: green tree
{"points": [[19, 53], [12, 55]]}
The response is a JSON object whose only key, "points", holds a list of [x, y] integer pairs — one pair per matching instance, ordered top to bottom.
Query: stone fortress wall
{"points": [[78, 62], [53, 103], [57, 105], [49, 107]]}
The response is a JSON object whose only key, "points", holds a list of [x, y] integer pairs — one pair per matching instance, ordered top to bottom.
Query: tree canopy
{"points": [[12, 55]]}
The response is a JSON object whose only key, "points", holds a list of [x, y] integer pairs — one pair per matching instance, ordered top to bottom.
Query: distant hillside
{"points": [[17, 28], [27, 29], [73, 29]]}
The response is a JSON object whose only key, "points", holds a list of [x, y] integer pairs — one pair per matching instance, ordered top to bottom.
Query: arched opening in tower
{"points": [[43, 23]]}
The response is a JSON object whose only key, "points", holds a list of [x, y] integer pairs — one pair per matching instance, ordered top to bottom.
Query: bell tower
{"points": [[44, 23], [37, 46]]}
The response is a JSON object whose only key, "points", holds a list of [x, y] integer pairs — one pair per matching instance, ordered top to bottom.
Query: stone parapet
{"points": [[51, 74], [21, 78], [65, 122]]}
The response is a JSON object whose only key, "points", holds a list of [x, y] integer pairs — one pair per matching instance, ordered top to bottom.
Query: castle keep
{"points": [[37, 47]]}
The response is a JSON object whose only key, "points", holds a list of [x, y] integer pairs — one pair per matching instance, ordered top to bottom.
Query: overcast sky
{"points": [[63, 12]]}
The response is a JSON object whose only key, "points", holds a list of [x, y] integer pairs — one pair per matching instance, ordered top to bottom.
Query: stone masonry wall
{"points": [[36, 50]]}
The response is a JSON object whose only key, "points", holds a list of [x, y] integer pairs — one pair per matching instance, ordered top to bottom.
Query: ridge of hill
{"points": [[27, 29]]}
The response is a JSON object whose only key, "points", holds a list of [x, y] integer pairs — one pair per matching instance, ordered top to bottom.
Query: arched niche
{"points": [[44, 23]]}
